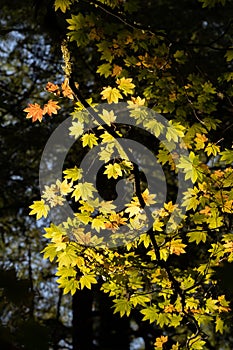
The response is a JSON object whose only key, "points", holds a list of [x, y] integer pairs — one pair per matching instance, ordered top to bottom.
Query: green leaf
{"points": [[63, 5], [229, 55], [105, 69], [227, 156], [189, 165], [197, 236], [50, 252], [139, 299], [123, 306], [150, 313], [163, 319], [219, 325]]}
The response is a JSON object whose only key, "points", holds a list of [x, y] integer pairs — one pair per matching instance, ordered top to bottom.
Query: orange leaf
{"points": [[50, 87], [66, 90], [51, 108], [34, 111]]}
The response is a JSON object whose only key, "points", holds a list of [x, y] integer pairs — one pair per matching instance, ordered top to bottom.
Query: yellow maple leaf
{"points": [[63, 5], [126, 85], [111, 94], [136, 101], [108, 117], [76, 129], [106, 137], [89, 140], [113, 170], [73, 173], [64, 187], [84, 190], [148, 198], [170, 207], [39, 208], [133, 209], [98, 223], [176, 246], [160, 341]]}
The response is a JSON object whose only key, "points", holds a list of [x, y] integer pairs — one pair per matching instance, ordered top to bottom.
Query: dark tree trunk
{"points": [[82, 320], [113, 333]]}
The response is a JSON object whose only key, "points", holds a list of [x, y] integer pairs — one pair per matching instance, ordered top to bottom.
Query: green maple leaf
{"points": [[63, 5], [104, 69], [197, 236], [123, 306], [150, 313]]}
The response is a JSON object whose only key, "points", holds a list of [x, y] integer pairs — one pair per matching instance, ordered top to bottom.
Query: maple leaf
{"points": [[63, 5], [116, 70], [126, 85], [53, 88], [66, 90], [111, 94], [136, 102], [51, 108], [34, 111], [108, 117], [76, 129], [89, 140], [113, 170], [73, 173], [64, 187], [84, 190], [148, 198], [39, 208], [132, 209], [98, 223], [82, 237], [176, 246], [87, 281], [160, 341]]}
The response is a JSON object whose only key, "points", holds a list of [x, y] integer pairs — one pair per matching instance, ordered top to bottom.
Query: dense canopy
{"points": [[117, 78]]}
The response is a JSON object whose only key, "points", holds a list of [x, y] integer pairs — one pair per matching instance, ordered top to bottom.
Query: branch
{"points": [[119, 16]]}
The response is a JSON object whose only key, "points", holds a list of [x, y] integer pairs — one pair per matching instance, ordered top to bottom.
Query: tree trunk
{"points": [[82, 320]]}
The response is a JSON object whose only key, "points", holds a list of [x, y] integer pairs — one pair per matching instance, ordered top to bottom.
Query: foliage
{"points": [[167, 276]]}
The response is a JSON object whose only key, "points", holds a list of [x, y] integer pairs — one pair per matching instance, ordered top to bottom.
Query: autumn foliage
{"points": [[167, 272]]}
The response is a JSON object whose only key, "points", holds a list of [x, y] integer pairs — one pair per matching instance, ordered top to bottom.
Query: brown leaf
{"points": [[116, 70], [51, 108], [34, 111]]}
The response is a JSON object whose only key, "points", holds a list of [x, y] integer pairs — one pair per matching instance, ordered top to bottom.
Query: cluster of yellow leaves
{"points": [[125, 86], [52, 196]]}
